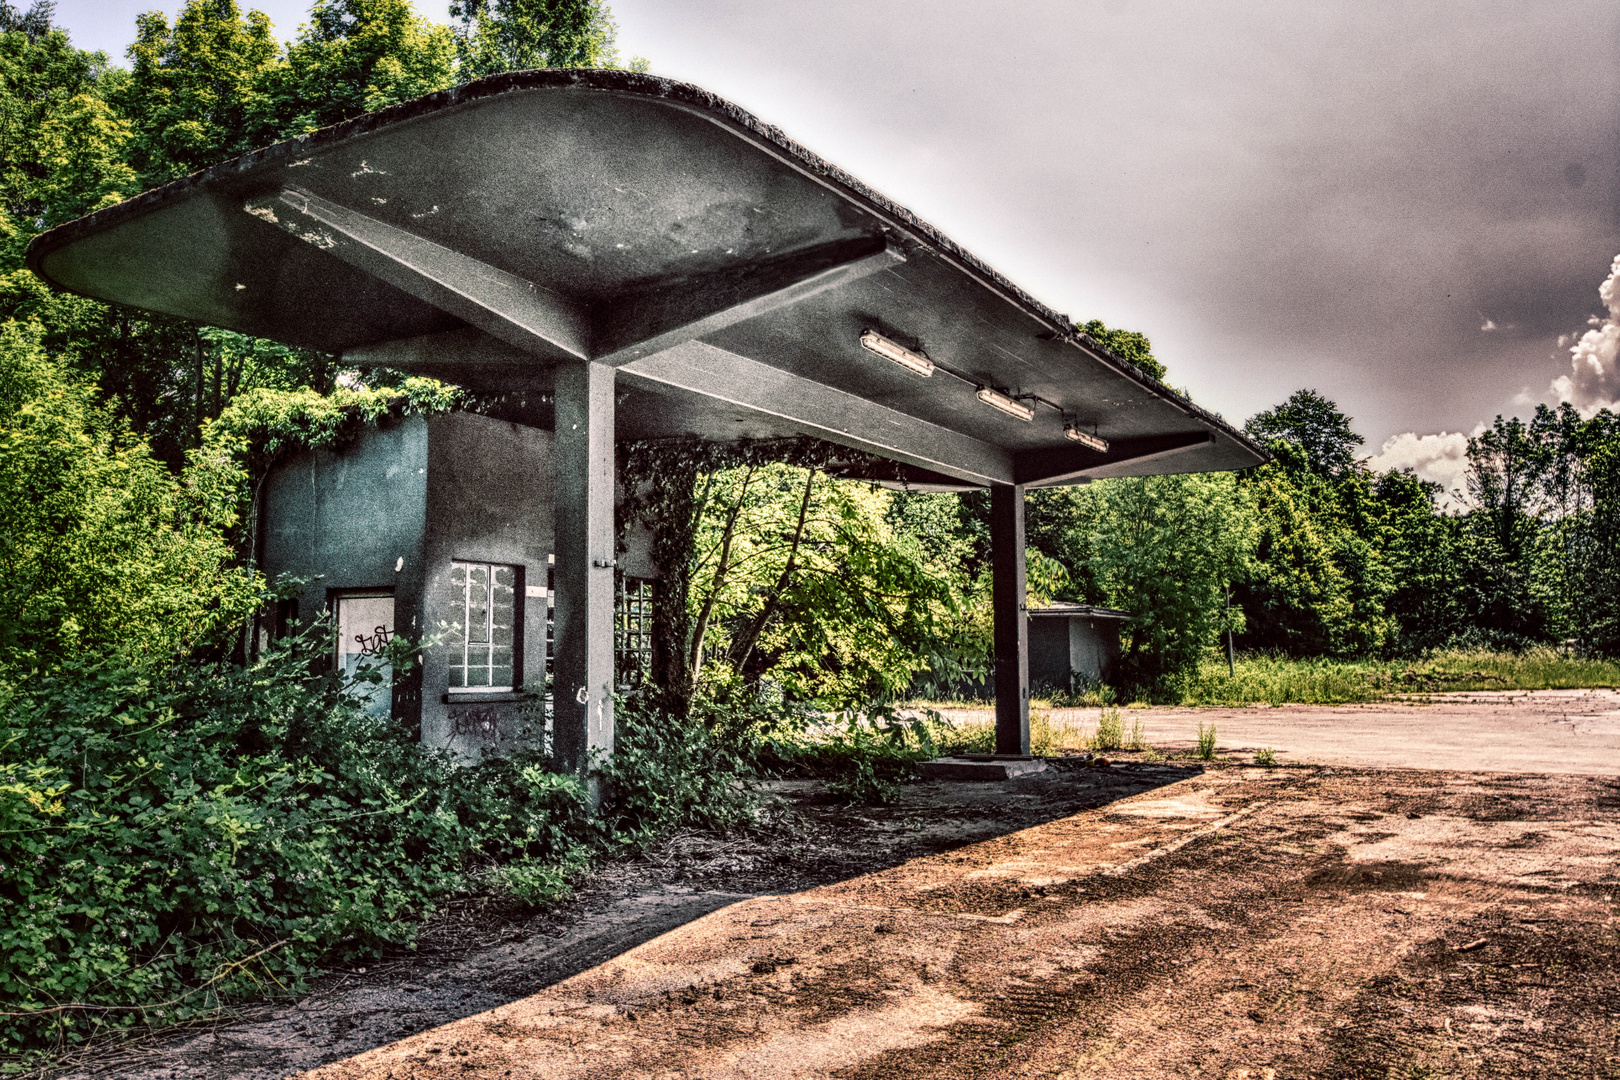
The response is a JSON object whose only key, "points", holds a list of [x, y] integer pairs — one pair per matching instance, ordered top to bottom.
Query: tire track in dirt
{"points": [[1316, 932]]}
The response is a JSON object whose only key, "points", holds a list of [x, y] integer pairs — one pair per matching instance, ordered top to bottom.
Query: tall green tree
{"points": [[515, 35], [358, 56], [50, 88], [199, 90], [1315, 427], [1165, 548], [102, 549], [1424, 552], [1321, 576], [799, 578]]}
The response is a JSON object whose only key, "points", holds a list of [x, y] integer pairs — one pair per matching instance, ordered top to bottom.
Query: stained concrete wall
{"points": [[417, 494], [489, 499], [347, 518]]}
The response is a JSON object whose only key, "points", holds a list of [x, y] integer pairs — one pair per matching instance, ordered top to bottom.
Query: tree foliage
{"points": [[515, 35], [1128, 345], [1314, 434], [1163, 548], [102, 549], [774, 572]]}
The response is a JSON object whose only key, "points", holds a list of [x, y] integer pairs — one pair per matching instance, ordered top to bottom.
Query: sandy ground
{"points": [[1145, 920], [1244, 922], [476, 956]]}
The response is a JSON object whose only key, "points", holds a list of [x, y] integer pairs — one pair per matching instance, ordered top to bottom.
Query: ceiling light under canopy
{"points": [[914, 362], [1009, 405], [1085, 438]]}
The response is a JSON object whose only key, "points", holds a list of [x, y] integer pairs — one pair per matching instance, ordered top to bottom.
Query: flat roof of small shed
{"points": [[485, 233], [1067, 609]]}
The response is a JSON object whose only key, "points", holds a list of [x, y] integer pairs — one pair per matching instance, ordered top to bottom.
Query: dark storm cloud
{"points": [[1331, 194]]}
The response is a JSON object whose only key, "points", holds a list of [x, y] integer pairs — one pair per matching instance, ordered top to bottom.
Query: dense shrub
{"points": [[672, 767], [171, 837]]}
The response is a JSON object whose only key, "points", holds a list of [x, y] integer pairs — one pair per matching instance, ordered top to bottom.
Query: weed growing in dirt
{"points": [[1083, 693], [1110, 733], [1046, 739], [1137, 739], [1206, 742], [864, 754], [1265, 756], [670, 770], [537, 884]]}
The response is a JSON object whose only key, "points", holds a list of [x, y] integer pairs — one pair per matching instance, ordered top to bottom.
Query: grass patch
{"points": [[1278, 680], [1110, 733], [1046, 739]]}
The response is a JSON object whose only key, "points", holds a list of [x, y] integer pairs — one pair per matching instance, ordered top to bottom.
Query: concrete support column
{"points": [[1011, 624], [582, 666]]}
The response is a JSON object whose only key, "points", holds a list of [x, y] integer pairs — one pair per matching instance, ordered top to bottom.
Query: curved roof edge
{"points": [[643, 85]]}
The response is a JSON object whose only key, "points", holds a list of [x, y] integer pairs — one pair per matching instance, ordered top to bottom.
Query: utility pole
{"points": [[199, 395], [1231, 662]]}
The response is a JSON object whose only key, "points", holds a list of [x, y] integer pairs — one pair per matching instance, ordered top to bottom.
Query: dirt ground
{"points": [[1144, 920], [475, 956]]}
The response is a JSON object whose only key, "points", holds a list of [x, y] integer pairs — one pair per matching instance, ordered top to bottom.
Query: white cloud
{"points": [[1594, 379], [1441, 458]]}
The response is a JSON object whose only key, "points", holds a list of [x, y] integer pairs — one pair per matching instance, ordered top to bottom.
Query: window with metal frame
{"points": [[633, 623], [365, 624], [483, 637]]}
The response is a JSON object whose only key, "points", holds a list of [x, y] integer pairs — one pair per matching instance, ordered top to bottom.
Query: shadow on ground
{"points": [[475, 956]]}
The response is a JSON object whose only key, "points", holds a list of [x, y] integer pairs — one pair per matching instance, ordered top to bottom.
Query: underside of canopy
{"points": [[484, 234]]}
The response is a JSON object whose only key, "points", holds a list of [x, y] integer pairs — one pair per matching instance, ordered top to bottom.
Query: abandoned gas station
{"points": [[619, 257]]}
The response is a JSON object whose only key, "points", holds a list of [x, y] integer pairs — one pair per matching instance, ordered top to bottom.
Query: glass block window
{"points": [[633, 626], [482, 638]]}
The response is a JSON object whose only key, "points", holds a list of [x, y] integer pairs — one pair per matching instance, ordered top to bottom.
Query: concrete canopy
{"points": [[484, 234]]}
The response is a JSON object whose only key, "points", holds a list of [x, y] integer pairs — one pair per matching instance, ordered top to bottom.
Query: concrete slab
{"points": [[1542, 731], [980, 768]]}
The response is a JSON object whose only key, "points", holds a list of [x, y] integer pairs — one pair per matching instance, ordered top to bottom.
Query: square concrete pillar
{"points": [[1011, 627], [582, 664]]}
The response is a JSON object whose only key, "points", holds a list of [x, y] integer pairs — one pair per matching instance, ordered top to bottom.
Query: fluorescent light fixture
{"points": [[914, 362], [1011, 406], [1086, 438]]}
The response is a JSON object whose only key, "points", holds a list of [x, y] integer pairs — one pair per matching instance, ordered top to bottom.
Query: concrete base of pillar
{"points": [[981, 767]]}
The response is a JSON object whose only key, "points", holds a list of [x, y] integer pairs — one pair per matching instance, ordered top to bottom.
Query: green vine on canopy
{"points": [[263, 424]]}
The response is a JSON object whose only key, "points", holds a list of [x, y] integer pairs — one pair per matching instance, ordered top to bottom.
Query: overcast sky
{"points": [[1402, 205]]}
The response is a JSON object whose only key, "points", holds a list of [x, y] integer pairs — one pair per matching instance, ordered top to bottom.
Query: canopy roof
{"points": [[485, 233]]}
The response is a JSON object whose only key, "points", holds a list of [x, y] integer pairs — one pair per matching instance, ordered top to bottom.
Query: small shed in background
{"points": [[1073, 644]]}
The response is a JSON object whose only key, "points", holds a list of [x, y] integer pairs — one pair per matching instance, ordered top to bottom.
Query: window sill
{"points": [[475, 697]]}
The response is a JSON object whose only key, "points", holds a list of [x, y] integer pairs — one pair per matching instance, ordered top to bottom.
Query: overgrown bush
{"points": [[862, 754], [672, 769], [171, 837]]}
